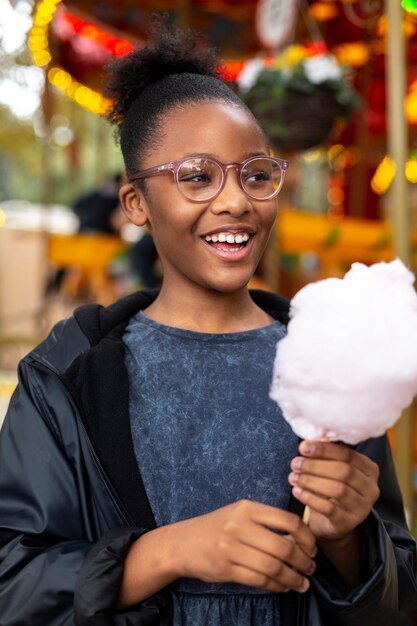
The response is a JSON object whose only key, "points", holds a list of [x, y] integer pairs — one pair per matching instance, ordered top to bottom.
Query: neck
{"points": [[208, 311]]}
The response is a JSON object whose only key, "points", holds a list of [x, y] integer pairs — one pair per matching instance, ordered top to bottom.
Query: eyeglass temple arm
{"points": [[152, 171]]}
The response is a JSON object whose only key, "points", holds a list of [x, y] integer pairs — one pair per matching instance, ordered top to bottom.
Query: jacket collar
{"points": [[97, 321]]}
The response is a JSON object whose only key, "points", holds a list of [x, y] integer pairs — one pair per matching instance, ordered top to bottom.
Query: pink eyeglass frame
{"points": [[174, 167]]}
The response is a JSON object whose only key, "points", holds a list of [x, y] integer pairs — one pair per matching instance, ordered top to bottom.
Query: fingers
{"points": [[339, 452], [340, 465], [333, 479], [336, 482], [343, 494], [277, 519], [237, 543], [269, 546], [259, 557], [266, 571], [250, 578]]}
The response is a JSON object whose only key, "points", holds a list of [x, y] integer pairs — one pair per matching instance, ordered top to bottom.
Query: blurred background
{"points": [[334, 82]]}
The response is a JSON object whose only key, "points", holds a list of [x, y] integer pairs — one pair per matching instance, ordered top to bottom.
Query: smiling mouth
{"points": [[228, 242]]}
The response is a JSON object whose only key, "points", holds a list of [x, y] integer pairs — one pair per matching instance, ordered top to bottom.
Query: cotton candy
{"points": [[348, 364]]}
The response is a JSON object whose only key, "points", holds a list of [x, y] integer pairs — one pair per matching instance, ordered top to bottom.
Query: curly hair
{"points": [[174, 69]]}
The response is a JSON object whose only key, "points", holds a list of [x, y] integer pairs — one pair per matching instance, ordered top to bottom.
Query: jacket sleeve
{"points": [[46, 531], [98, 585], [389, 587]]}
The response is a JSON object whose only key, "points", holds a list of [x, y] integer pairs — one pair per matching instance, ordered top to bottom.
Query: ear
{"points": [[134, 204]]}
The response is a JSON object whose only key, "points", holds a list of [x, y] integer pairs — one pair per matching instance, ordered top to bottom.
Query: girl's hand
{"points": [[339, 485], [236, 544]]}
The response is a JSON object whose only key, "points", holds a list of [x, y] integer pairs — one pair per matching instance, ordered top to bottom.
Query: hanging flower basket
{"points": [[297, 102]]}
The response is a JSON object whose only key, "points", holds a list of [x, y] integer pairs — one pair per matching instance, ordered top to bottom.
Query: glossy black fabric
{"points": [[71, 503]]}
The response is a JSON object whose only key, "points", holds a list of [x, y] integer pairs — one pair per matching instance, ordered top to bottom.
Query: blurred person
{"points": [[96, 208], [96, 212], [142, 254]]}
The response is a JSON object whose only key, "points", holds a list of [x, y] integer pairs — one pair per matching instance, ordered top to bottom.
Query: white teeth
{"points": [[228, 237]]}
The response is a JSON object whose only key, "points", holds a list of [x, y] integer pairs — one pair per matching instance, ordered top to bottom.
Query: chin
{"points": [[229, 286]]}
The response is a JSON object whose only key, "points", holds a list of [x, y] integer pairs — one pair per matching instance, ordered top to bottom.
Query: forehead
{"points": [[221, 129]]}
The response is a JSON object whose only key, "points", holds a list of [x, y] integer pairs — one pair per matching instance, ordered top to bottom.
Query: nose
{"points": [[231, 199]]}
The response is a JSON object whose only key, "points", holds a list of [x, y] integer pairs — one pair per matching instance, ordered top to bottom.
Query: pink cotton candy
{"points": [[348, 365]]}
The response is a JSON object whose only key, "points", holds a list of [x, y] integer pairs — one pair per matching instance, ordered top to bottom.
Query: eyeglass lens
{"points": [[201, 179]]}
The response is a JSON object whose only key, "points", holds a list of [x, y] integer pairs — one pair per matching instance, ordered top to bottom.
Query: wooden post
{"points": [[48, 179], [400, 209]]}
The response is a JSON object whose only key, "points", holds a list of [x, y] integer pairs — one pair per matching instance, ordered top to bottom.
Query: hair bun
{"points": [[171, 51]]}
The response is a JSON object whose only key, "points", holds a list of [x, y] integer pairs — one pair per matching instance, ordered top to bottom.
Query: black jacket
{"points": [[72, 500]]}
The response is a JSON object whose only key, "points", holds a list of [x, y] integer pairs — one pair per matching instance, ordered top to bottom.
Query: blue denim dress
{"points": [[206, 434]]}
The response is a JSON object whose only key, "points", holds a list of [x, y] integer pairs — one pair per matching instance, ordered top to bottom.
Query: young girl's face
{"points": [[180, 226]]}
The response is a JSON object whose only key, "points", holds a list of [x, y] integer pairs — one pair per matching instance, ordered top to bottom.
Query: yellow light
{"points": [[43, 10], [43, 20], [37, 30], [38, 37], [37, 42], [291, 55], [41, 58], [52, 73], [59, 78], [72, 89], [82, 95], [411, 106], [334, 151], [312, 155], [411, 170], [383, 176], [2, 218]]}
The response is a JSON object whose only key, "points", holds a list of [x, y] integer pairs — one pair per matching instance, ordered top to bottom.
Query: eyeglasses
{"points": [[200, 179]]}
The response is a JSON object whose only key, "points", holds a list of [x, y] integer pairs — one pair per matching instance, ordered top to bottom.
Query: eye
{"points": [[198, 172], [257, 176], [194, 177]]}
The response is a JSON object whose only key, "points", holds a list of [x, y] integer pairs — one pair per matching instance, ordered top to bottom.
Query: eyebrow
{"points": [[208, 155]]}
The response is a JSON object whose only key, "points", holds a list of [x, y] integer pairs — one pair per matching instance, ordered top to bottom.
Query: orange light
{"points": [[323, 12], [408, 27], [114, 45], [355, 54], [335, 195]]}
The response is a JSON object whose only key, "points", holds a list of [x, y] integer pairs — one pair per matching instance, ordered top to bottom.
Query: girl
{"points": [[146, 478]]}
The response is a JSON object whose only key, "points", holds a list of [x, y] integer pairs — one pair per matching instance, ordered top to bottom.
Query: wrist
{"points": [[342, 543], [168, 552], [344, 554], [150, 565]]}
